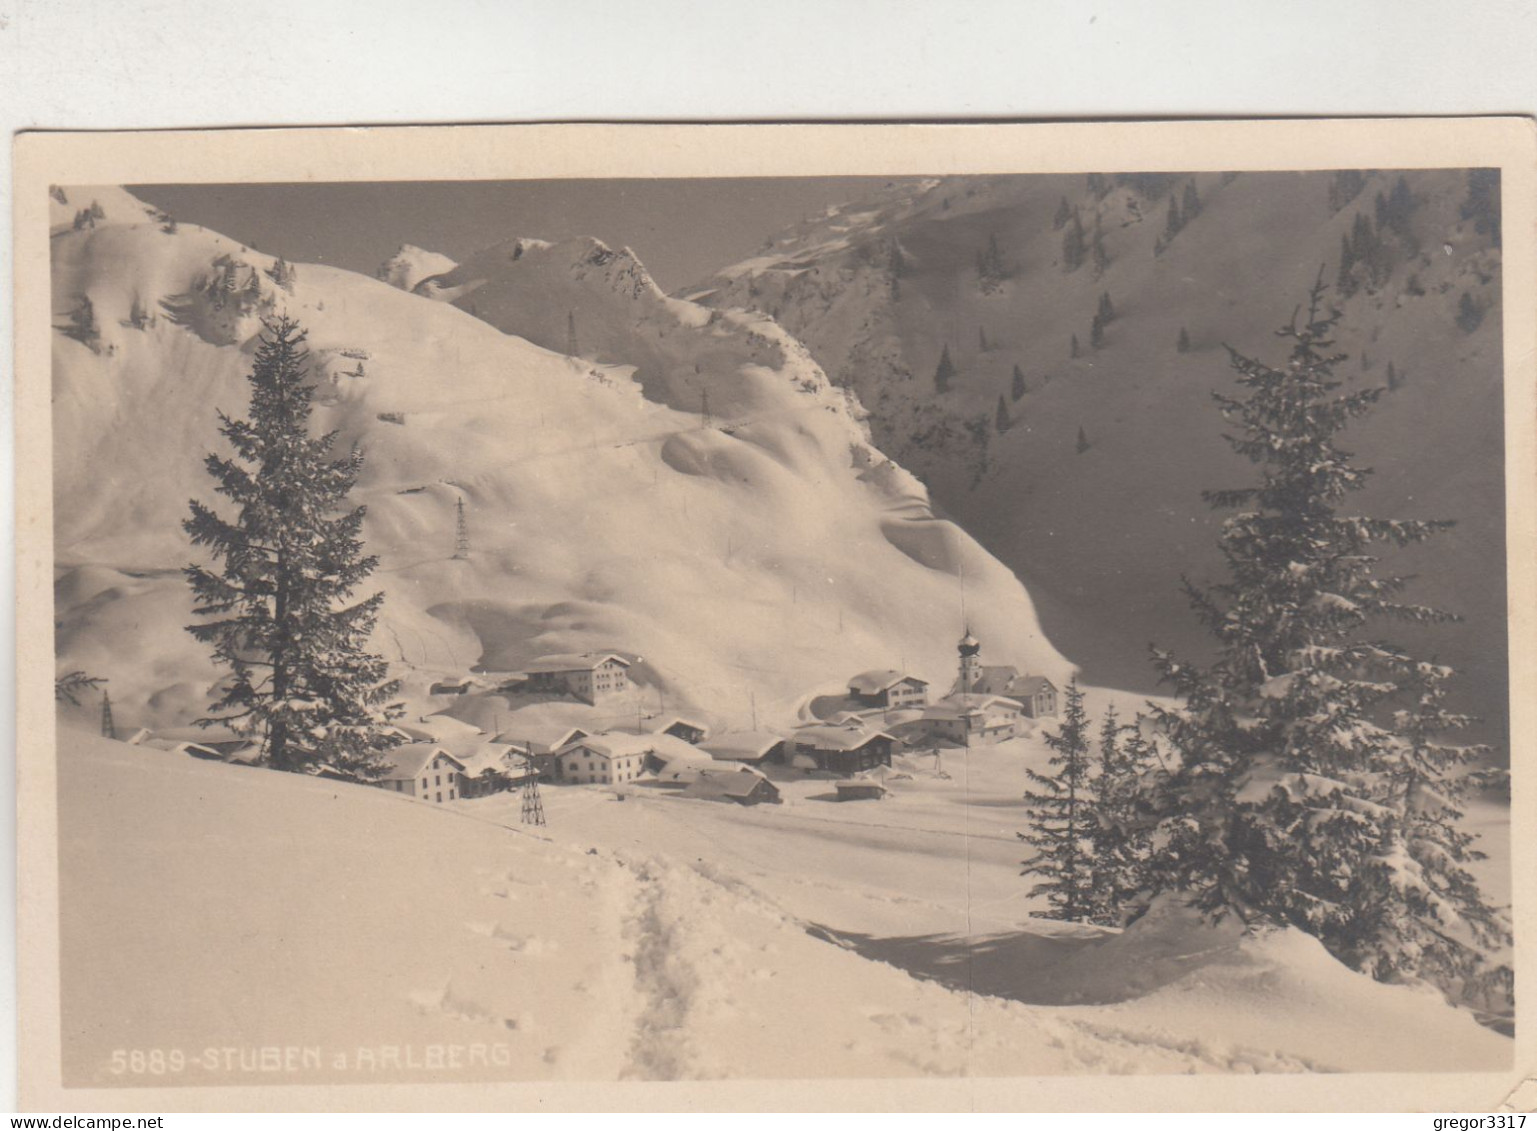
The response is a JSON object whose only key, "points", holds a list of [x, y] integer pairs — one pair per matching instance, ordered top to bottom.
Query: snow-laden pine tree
{"points": [[301, 680], [1288, 801], [1060, 809], [1120, 842], [1423, 913]]}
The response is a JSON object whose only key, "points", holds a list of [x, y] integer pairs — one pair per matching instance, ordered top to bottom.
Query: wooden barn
{"points": [[849, 749], [744, 787]]}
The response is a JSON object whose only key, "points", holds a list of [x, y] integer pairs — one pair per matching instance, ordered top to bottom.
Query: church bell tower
{"points": [[970, 649]]}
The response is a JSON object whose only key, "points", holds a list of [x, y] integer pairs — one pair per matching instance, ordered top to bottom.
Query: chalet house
{"points": [[593, 677], [887, 688], [1038, 694], [971, 720], [689, 730], [540, 745], [747, 746], [848, 749], [608, 758], [675, 763], [492, 769], [423, 770], [743, 788]]}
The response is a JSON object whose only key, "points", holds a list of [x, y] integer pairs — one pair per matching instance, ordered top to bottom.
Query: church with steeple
{"points": [[1036, 695]]}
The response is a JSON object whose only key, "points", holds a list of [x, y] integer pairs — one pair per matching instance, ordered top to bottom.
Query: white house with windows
{"points": [[593, 677], [887, 688], [605, 759], [422, 770]]}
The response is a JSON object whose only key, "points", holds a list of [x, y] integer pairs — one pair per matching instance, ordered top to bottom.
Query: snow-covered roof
{"points": [[572, 661], [876, 680], [1030, 684], [955, 705], [660, 725], [206, 736], [541, 738], [838, 738], [620, 744], [742, 744], [195, 749], [491, 757], [405, 762], [730, 785]]}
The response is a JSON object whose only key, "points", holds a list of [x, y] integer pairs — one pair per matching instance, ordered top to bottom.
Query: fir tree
{"points": [[1190, 203], [1482, 203], [1064, 214], [1174, 222], [1074, 246], [1098, 254], [990, 269], [1345, 280], [1106, 308], [1469, 314], [82, 323], [1097, 331], [1183, 344], [982, 346], [1072, 348], [944, 373], [1017, 388], [1001, 419], [1083, 440], [301, 681], [68, 687], [1287, 803], [1060, 810], [1121, 846], [1421, 912]]}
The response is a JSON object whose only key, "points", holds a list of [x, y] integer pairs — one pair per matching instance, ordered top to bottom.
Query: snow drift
{"points": [[748, 548]]}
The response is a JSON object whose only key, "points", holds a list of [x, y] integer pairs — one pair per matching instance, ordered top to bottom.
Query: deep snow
{"points": [[656, 937]]}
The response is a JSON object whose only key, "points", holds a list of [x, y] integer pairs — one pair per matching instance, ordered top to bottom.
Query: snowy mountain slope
{"points": [[411, 264], [877, 290], [748, 556], [396, 925]]}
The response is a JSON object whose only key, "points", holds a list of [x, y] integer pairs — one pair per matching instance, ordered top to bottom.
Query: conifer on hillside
{"points": [[1074, 244], [944, 373], [1017, 387], [300, 681], [1287, 804], [1060, 810], [1121, 845]]}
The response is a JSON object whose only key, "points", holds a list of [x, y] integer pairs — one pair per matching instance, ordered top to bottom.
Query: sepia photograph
{"points": [[978, 603]]}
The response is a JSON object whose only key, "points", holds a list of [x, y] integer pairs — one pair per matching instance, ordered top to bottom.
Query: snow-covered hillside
{"points": [[411, 264], [878, 290], [751, 551], [384, 939]]}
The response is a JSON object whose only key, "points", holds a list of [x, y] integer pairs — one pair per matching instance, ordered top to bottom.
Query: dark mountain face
{"points": [[1042, 351]]}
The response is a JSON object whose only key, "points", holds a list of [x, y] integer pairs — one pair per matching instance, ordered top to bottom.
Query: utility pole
{"points": [[461, 535], [533, 808]]}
